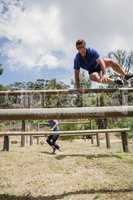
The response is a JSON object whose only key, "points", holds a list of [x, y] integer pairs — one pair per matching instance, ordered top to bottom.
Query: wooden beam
{"points": [[63, 91], [66, 113], [68, 122], [16, 133], [74, 134]]}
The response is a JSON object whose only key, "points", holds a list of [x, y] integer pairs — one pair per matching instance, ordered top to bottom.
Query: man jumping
{"points": [[90, 60]]}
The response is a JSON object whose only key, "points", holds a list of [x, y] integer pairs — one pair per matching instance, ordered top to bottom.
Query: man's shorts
{"points": [[97, 68]]}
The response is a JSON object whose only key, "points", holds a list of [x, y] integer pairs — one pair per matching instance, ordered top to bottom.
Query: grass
{"points": [[81, 171]]}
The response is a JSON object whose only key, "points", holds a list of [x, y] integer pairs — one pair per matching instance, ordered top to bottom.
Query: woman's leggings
{"points": [[51, 140]]}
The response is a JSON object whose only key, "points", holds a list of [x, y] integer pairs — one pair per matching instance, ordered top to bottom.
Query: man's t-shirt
{"points": [[88, 62]]}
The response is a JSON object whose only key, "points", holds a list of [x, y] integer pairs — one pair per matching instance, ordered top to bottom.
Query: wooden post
{"points": [[124, 97], [42, 100], [104, 124], [38, 128], [97, 135], [22, 136], [107, 136], [31, 137], [124, 137], [92, 139], [97, 139], [27, 140], [31, 140], [37, 140], [107, 140], [6, 143]]}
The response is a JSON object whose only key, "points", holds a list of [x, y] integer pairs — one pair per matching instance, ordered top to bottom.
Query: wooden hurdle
{"points": [[64, 91], [66, 113], [124, 135]]}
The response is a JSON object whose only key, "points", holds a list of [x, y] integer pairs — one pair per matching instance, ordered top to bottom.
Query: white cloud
{"points": [[36, 28], [34, 34]]}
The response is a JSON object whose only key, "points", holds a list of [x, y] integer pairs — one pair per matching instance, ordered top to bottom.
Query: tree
{"points": [[123, 57]]}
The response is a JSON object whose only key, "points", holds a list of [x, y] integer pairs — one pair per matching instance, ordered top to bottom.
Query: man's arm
{"points": [[101, 62], [77, 78]]}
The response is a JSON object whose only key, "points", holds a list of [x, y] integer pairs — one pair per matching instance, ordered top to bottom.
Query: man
{"points": [[90, 60], [51, 140]]}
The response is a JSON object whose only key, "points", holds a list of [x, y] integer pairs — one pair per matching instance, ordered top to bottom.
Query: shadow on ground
{"points": [[46, 152], [88, 156], [61, 196]]}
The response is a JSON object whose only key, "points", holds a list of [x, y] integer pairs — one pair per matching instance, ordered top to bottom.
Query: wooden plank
{"points": [[64, 91], [66, 113], [67, 122], [63, 132], [64, 135]]}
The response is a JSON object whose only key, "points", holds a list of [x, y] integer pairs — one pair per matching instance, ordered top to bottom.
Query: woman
{"points": [[51, 140]]}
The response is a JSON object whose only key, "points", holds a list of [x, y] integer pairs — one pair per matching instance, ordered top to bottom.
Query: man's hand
{"points": [[101, 74], [103, 78], [82, 90]]}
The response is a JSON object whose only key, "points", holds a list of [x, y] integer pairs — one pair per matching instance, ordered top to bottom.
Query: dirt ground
{"points": [[81, 171]]}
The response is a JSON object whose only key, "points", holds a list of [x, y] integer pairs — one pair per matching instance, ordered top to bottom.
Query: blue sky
{"points": [[37, 37], [11, 74]]}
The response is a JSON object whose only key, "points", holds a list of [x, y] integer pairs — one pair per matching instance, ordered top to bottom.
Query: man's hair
{"points": [[80, 42]]}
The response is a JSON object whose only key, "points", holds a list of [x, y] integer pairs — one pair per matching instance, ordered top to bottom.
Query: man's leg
{"points": [[116, 67], [96, 77]]}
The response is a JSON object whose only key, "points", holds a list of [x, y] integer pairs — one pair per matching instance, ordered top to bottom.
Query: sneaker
{"points": [[128, 76], [119, 82], [59, 149]]}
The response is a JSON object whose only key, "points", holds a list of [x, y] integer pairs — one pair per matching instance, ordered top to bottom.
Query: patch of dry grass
{"points": [[79, 172]]}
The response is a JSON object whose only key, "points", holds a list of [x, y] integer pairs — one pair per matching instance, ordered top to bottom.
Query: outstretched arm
{"points": [[77, 78]]}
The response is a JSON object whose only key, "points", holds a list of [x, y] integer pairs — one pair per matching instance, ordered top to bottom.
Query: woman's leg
{"points": [[55, 137], [49, 140]]}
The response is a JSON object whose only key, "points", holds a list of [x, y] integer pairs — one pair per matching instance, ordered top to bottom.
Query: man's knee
{"points": [[109, 62], [95, 78]]}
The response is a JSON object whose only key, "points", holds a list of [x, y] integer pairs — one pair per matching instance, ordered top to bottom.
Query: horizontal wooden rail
{"points": [[64, 91], [66, 113], [67, 122], [123, 132], [16, 133]]}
